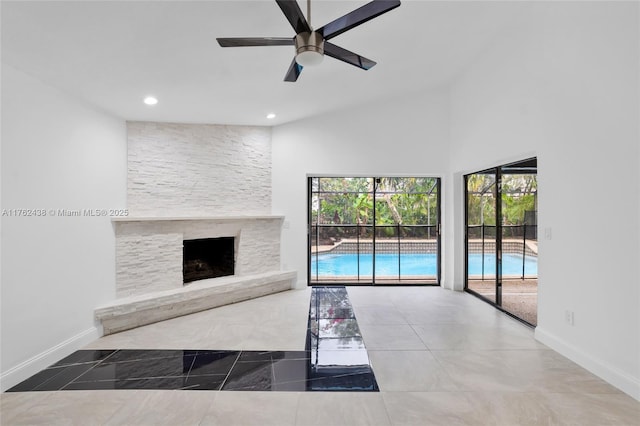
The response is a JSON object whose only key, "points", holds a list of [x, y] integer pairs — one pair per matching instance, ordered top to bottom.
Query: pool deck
{"points": [[328, 248], [519, 297]]}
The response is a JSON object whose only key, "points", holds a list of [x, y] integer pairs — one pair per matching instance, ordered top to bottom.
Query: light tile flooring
{"points": [[440, 358]]}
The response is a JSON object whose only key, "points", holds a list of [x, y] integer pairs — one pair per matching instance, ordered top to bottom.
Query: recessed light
{"points": [[150, 100], [271, 116]]}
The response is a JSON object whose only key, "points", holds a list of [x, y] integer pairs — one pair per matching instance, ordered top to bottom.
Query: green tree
{"points": [[481, 199]]}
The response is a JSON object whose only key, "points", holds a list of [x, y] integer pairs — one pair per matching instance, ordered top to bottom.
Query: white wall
{"points": [[565, 88], [407, 136], [57, 153], [198, 169]]}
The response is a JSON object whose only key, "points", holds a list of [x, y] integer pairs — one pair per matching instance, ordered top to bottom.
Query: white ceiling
{"points": [[113, 53]]}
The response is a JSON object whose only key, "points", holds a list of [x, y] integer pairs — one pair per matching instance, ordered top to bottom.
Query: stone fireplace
{"points": [[186, 183], [156, 257]]}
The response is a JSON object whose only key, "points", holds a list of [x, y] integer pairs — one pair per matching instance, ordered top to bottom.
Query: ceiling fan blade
{"points": [[293, 13], [357, 17], [255, 41], [344, 55], [293, 72]]}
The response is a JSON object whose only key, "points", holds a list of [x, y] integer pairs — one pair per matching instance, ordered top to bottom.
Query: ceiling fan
{"points": [[311, 45]]}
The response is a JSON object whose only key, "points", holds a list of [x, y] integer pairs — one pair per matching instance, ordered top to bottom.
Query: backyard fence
{"points": [[369, 239], [482, 239]]}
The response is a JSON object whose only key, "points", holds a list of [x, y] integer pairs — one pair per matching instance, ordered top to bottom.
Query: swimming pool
{"points": [[423, 264]]}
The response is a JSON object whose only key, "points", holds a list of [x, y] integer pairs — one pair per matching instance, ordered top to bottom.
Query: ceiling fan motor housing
{"points": [[309, 45]]}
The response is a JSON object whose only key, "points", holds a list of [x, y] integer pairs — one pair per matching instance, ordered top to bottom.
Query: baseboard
{"points": [[28, 368], [621, 380]]}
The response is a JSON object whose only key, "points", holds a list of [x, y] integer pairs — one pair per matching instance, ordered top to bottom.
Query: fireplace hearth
{"points": [[208, 258]]}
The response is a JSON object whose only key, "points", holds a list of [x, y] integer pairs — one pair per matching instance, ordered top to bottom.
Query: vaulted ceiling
{"points": [[113, 53]]}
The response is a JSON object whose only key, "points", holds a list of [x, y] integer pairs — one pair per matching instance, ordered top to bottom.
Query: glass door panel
{"points": [[341, 229], [481, 234], [519, 241]]}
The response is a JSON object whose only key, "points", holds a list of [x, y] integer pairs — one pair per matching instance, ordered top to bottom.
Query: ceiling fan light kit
{"points": [[311, 45], [309, 48]]}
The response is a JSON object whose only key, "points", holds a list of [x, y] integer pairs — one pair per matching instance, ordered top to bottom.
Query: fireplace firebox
{"points": [[207, 258]]}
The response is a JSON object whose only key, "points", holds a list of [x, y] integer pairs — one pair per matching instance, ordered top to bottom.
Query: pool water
{"points": [[422, 264], [511, 264]]}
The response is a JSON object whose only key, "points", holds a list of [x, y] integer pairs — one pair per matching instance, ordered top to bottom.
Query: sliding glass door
{"points": [[374, 230], [501, 237], [482, 264]]}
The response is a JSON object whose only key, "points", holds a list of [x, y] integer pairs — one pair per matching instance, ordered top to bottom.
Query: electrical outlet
{"points": [[568, 317]]}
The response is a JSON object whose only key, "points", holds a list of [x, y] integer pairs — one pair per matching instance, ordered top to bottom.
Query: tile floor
{"points": [[439, 357], [335, 359]]}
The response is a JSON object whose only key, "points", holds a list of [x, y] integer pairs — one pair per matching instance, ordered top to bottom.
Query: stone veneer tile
{"points": [[198, 169], [146, 263]]}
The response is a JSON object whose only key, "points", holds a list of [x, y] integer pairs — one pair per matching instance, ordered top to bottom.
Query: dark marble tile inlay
{"points": [[338, 357], [335, 359]]}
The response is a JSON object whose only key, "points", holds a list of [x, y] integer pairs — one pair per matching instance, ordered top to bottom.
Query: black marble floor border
{"points": [[335, 359]]}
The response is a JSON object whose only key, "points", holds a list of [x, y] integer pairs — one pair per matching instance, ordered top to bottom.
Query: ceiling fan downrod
{"points": [[309, 45]]}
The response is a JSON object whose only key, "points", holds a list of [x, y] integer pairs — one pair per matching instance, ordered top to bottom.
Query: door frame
{"points": [[497, 171]]}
